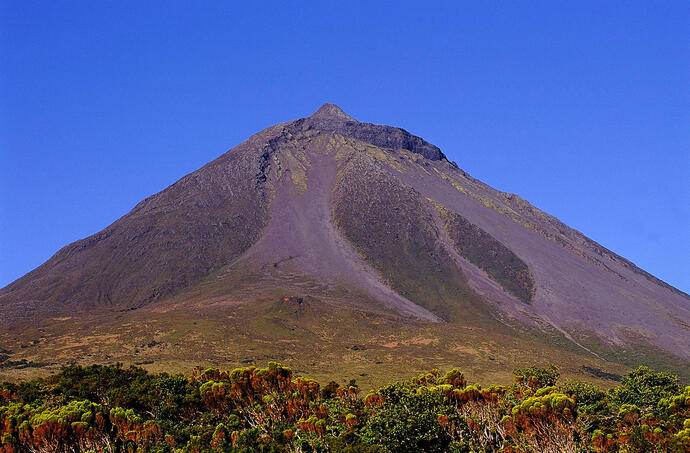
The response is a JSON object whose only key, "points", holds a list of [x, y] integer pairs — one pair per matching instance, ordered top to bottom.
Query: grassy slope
{"points": [[389, 224], [481, 249], [315, 338]]}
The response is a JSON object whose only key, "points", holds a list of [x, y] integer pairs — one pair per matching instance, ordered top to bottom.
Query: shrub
{"points": [[535, 377], [645, 388]]}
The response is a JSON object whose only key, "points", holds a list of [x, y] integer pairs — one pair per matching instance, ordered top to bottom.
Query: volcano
{"points": [[328, 241]]}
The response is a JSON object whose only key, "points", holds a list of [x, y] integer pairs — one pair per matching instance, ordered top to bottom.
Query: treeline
{"points": [[116, 409]]}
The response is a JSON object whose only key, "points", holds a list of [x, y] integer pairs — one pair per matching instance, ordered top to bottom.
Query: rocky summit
{"points": [[341, 246]]}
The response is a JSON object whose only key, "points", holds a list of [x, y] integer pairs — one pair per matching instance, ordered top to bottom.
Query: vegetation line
{"points": [[113, 409]]}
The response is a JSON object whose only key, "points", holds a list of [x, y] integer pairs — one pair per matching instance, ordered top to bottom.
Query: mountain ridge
{"points": [[361, 217]]}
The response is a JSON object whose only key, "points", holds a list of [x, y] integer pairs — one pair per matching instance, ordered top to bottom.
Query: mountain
{"points": [[353, 244]]}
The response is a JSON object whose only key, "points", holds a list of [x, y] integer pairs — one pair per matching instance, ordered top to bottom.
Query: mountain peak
{"points": [[331, 112], [363, 223]]}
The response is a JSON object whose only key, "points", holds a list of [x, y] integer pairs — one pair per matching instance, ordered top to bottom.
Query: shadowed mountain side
{"points": [[392, 228], [167, 242], [487, 253]]}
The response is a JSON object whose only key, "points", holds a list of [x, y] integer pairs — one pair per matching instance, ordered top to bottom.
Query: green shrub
{"points": [[645, 388]]}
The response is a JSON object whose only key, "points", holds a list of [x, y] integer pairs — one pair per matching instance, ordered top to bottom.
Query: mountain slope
{"points": [[357, 217]]}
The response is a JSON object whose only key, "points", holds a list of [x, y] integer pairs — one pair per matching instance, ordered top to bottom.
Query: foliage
{"points": [[536, 377], [645, 388], [588, 397], [250, 409], [407, 421]]}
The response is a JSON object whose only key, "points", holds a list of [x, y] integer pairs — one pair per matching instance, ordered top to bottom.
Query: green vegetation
{"points": [[393, 230], [487, 253], [536, 377], [116, 409]]}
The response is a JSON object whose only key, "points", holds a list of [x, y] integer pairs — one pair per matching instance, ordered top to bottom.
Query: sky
{"points": [[582, 108]]}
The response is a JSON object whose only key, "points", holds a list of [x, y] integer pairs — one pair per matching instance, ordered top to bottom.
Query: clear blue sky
{"points": [[582, 108]]}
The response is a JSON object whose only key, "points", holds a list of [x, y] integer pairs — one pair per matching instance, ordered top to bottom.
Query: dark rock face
{"points": [[330, 118], [383, 136]]}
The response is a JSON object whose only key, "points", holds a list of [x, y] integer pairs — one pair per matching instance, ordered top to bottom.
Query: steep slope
{"points": [[366, 221], [394, 230], [167, 242], [301, 250], [580, 287]]}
